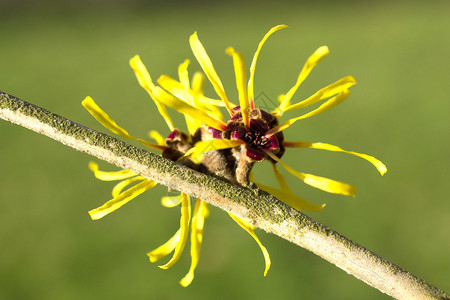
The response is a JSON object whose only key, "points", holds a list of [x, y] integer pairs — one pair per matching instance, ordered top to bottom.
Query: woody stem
{"points": [[256, 206]]}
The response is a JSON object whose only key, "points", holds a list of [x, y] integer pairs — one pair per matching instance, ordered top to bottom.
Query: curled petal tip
{"points": [[281, 26], [194, 35], [323, 50], [229, 51], [94, 216]]}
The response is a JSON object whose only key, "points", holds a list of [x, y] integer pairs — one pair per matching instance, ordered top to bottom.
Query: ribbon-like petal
{"points": [[312, 61], [207, 66], [239, 70], [183, 74], [146, 82], [180, 91], [326, 92], [251, 93], [329, 104], [186, 108], [109, 123], [157, 137], [323, 146], [201, 147], [110, 176], [280, 178], [322, 183], [118, 188], [121, 199], [291, 199], [171, 201], [201, 212], [184, 226], [249, 228], [166, 248]]}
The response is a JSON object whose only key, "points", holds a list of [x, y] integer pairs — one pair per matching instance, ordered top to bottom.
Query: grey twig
{"points": [[260, 208]]}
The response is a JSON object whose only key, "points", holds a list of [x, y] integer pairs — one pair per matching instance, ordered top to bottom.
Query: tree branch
{"points": [[261, 209]]}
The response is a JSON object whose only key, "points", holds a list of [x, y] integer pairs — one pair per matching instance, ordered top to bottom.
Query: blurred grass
{"points": [[55, 55]]}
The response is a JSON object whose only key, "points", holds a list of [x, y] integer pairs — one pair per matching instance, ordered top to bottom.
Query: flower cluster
{"points": [[226, 149]]}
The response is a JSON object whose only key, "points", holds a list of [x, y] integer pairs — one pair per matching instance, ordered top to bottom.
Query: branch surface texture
{"points": [[258, 207]]}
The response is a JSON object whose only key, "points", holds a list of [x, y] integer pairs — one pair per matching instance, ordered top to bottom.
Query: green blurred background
{"points": [[53, 54]]}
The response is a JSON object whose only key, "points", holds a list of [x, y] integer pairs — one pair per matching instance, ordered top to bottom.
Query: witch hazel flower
{"points": [[225, 149]]}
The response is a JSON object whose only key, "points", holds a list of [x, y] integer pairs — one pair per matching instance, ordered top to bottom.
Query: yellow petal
{"points": [[312, 61], [207, 66], [239, 70], [183, 74], [142, 75], [145, 81], [198, 81], [175, 88], [181, 92], [325, 93], [251, 95], [192, 96], [214, 102], [208, 104], [329, 104], [213, 106], [188, 109], [213, 109], [109, 123], [157, 137], [201, 147], [378, 164], [110, 176], [280, 178], [322, 183], [118, 188], [286, 195], [121, 199], [291, 199], [171, 201], [201, 211], [184, 226], [249, 228], [166, 248]]}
